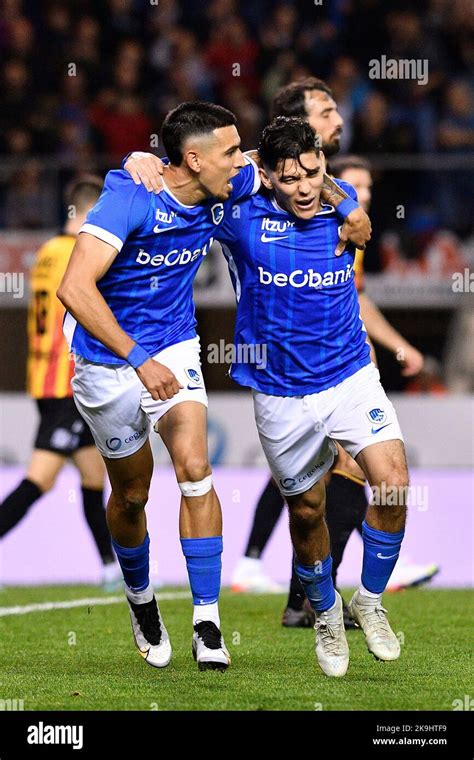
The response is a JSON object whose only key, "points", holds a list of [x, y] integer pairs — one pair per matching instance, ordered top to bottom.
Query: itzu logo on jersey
{"points": [[164, 217], [270, 225], [174, 257], [310, 278]]}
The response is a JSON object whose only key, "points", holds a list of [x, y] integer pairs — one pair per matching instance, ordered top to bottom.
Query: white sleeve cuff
{"points": [[104, 235]]}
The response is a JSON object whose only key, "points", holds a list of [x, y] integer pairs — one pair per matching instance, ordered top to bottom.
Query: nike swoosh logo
{"points": [[159, 229], [266, 239], [194, 387], [377, 430], [390, 556]]}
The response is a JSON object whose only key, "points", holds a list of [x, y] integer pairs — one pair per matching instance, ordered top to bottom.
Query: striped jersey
{"points": [[161, 244], [298, 327], [50, 366]]}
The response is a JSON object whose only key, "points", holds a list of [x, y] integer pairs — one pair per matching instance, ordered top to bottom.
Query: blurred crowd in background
{"points": [[92, 78], [84, 82]]}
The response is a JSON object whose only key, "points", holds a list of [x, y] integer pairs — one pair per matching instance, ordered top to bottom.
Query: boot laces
{"points": [[329, 634]]}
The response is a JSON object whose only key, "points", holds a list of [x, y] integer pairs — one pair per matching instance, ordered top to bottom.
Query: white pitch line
{"points": [[87, 602]]}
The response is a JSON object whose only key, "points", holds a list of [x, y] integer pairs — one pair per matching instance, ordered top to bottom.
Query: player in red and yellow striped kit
{"points": [[50, 367], [62, 433]]}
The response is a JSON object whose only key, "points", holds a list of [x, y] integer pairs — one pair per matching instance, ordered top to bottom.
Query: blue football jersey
{"points": [[161, 244], [298, 326]]}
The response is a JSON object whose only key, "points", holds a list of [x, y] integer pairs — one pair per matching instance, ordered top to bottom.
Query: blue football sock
{"points": [[381, 552], [204, 563], [135, 564], [317, 583]]}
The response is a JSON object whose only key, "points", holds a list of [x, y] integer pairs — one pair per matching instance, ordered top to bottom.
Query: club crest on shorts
{"points": [[217, 211], [193, 375], [377, 415]]}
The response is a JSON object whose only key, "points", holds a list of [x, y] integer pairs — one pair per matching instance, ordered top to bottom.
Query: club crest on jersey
{"points": [[217, 211], [193, 375], [377, 415]]}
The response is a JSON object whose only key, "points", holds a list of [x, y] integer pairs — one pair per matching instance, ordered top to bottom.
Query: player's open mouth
{"points": [[306, 203]]}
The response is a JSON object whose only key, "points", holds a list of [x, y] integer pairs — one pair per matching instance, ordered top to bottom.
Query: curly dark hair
{"points": [[287, 137]]}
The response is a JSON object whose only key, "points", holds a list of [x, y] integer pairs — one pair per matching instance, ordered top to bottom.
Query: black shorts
{"points": [[61, 427]]}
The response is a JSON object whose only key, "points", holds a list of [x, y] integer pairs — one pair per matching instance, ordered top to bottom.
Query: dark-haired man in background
{"points": [[62, 433]]}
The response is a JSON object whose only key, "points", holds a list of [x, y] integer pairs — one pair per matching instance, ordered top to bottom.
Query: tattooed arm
{"points": [[356, 228]]}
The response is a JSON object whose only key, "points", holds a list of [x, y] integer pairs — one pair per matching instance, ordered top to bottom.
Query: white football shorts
{"points": [[118, 408], [297, 432]]}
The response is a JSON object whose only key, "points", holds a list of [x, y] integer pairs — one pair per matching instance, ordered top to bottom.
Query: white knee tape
{"points": [[199, 488]]}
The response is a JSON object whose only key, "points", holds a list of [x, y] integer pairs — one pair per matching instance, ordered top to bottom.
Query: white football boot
{"points": [[406, 574], [369, 614], [150, 634], [209, 649], [332, 650]]}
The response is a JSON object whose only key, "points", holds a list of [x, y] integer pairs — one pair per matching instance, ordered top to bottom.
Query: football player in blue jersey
{"points": [[131, 327], [317, 383], [346, 500]]}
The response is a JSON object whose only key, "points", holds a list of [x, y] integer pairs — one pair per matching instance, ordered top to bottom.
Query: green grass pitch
{"points": [[84, 658]]}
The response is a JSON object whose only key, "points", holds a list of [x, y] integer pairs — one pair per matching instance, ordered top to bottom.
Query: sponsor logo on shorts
{"points": [[135, 436], [113, 443], [289, 483]]}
